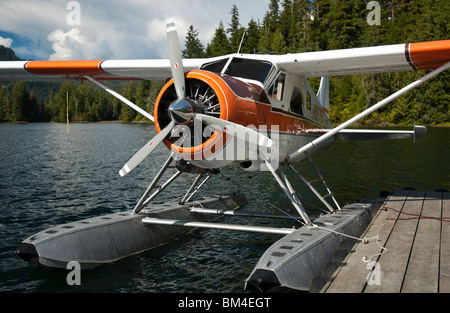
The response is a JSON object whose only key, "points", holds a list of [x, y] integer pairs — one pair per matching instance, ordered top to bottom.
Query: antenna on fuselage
{"points": [[242, 40]]}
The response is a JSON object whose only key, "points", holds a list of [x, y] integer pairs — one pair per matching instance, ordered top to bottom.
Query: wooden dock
{"points": [[414, 226]]}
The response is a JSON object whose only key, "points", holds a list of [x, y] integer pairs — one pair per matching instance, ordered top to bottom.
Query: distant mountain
{"points": [[7, 54]]}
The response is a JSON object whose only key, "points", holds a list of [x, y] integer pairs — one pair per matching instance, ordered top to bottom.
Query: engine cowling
{"points": [[217, 95]]}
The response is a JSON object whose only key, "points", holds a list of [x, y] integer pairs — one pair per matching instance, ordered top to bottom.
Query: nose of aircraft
{"points": [[181, 110]]}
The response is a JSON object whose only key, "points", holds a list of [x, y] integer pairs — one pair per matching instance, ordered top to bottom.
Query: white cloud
{"points": [[114, 29], [157, 35], [6, 42], [73, 45]]}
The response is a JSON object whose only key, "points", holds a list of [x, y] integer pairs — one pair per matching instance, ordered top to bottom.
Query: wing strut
{"points": [[121, 98], [368, 111], [288, 190]]}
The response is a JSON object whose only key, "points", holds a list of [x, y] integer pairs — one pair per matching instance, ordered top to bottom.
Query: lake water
{"points": [[49, 177]]}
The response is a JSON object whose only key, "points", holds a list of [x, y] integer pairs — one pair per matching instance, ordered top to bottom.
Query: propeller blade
{"points": [[176, 60], [235, 130], [146, 150]]}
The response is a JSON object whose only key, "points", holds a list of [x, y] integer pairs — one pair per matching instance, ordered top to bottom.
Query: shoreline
{"points": [[442, 125]]}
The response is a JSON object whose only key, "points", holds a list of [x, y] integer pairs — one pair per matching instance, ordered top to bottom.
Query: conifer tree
{"points": [[273, 16], [286, 20], [235, 30], [303, 30], [265, 36], [251, 39], [219, 44], [278, 44], [194, 48], [3, 92], [20, 100], [5, 105], [127, 114]]}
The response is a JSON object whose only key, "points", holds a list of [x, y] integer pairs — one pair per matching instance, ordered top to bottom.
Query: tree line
{"points": [[289, 26], [84, 103]]}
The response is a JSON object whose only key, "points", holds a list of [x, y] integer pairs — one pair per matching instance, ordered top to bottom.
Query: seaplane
{"points": [[257, 112]]}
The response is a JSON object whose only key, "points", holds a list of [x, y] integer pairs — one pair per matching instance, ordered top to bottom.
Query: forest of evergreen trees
{"points": [[288, 26]]}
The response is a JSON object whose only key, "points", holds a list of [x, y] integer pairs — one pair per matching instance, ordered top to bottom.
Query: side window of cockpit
{"points": [[276, 90], [297, 101]]}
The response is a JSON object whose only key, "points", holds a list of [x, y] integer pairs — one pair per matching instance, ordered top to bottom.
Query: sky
{"points": [[111, 29]]}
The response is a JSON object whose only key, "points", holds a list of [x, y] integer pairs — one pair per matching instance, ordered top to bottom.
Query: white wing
{"points": [[389, 58]]}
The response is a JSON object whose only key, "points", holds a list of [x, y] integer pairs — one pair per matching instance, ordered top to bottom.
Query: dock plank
{"points": [[418, 240], [393, 265], [444, 270], [422, 274], [352, 277]]}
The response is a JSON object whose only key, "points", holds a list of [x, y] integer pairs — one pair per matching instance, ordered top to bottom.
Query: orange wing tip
{"points": [[429, 55]]}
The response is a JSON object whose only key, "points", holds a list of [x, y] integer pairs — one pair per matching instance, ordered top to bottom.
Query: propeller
{"points": [[176, 60], [184, 109], [176, 110], [146, 150]]}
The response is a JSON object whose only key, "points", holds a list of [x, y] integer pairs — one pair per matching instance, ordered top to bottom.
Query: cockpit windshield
{"points": [[216, 66], [249, 69], [256, 70]]}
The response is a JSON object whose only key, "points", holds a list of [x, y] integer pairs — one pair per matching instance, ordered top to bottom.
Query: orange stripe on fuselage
{"points": [[430, 55], [69, 69], [250, 108], [244, 109], [250, 113], [290, 122]]}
